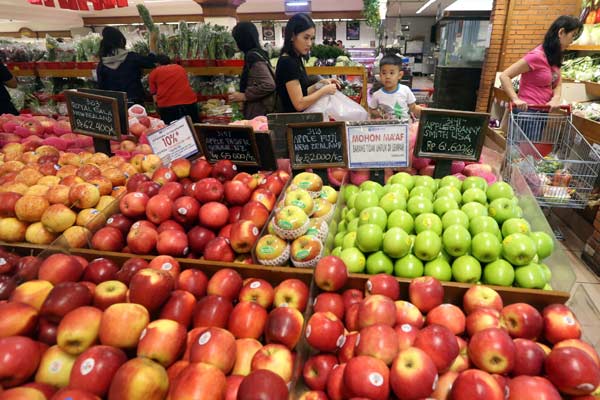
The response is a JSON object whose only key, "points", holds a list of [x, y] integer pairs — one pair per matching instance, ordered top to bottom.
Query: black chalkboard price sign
{"points": [[94, 115], [450, 135], [227, 142], [317, 145]]}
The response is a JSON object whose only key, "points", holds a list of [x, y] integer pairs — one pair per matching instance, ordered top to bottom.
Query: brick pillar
{"points": [[517, 27]]}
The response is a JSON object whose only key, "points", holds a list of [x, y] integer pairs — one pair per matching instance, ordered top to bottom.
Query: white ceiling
{"points": [[42, 18]]}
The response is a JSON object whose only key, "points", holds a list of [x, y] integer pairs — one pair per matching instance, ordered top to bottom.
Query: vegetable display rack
{"points": [[558, 163]]}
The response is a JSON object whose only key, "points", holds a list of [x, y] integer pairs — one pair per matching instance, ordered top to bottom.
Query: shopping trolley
{"points": [[424, 97], [558, 163]]}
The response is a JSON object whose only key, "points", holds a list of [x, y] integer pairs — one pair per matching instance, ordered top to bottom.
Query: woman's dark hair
{"points": [[297, 24], [246, 36], [112, 40], [551, 45], [163, 59]]}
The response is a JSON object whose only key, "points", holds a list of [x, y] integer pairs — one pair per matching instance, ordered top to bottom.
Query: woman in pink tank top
{"points": [[540, 68]]}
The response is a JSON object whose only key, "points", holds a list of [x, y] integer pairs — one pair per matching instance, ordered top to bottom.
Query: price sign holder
{"points": [[121, 98], [278, 123], [446, 135], [177, 140], [228, 142], [264, 142], [373, 144], [317, 145]]}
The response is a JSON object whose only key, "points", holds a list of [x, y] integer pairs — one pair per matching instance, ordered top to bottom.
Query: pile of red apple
{"points": [[45, 192], [192, 209], [300, 227], [89, 330], [378, 346]]}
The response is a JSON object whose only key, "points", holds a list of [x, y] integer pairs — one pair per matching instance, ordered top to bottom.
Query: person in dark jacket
{"points": [[122, 70], [8, 80], [257, 82]]}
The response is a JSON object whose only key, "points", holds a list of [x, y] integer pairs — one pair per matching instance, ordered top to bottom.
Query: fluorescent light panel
{"points": [[430, 2], [296, 3]]}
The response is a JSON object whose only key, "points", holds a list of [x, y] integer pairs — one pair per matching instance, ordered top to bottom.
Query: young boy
{"points": [[393, 100]]}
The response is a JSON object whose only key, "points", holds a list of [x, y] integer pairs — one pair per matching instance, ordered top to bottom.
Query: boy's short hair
{"points": [[391, 59]]}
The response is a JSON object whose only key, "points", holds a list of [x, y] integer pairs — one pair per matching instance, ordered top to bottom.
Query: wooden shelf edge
{"points": [[584, 48]]}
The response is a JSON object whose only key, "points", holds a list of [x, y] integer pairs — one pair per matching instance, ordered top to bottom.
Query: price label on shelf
{"points": [[94, 115], [178, 140], [377, 145]]}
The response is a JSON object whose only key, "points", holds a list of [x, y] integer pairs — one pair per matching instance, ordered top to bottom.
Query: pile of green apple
{"points": [[466, 231]]}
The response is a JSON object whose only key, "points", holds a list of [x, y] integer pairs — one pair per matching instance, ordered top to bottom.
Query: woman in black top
{"points": [[122, 70], [6, 79], [292, 81], [257, 82]]}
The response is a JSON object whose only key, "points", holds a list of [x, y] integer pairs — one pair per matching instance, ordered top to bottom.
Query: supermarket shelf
{"points": [[584, 48], [64, 73]]}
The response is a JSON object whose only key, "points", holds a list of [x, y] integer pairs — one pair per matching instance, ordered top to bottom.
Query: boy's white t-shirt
{"points": [[395, 104]]}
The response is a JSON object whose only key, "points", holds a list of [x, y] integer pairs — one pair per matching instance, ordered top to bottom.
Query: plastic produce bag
{"points": [[339, 107]]}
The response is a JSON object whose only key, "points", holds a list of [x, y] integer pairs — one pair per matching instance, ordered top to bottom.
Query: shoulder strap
{"points": [[263, 58]]}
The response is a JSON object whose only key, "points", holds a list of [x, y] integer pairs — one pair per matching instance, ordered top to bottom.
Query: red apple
{"points": [[181, 167], [200, 169], [224, 170], [134, 181], [273, 183], [149, 188], [172, 190], [208, 190], [237, 193], [265, 197], [7, 203], [133, 205], [159, 208], [185, 210], [256, 212], [234, 214], [213, 215], [120, 222], [170, 225], [225, 232], [244, 235], [108, 238], [198, 238], [142, 239], [173, 243], [219, 249], [27, 268], [60, 268], [129, 268], [100, 270], [331, 273], [193, 281], [226, 282], [383, 284], [150, 288], [258, 291], [108, 293], [291, 293], [426, 293], [351, 296], [481, 296], [64, 297], [331, 302], [179, 307], [376, 309], [211, 311], [408, 313], [449, 316], [115, 317], [351, 317], [482, 318], [17, 319], [247, 320], [522, 321], [560, 323], [284, 326], [78, 330], [47, 332], [324, 332], [406, 335], [162, 341], [378, 341], [440, 344], [580, 344], [214, 346], [347, 350], [493, 351], [244, 353], [276, 358], [529, 358], [20, 359], [95, 368], [317, 369], [174, 370], [572, 371], [413, 374], [367, 377], [139, 379], [199, 381], [262, 384], [233, 385], [476, 385], [444, 386], [524, 387], [336, 389], [69, 394]]}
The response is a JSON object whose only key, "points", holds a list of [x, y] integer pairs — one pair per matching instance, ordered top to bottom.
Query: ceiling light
{"points": [[430, 2], [297, 3]]}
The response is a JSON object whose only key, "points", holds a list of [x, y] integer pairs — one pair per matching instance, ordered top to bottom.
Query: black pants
{"points": [[170, 114]]}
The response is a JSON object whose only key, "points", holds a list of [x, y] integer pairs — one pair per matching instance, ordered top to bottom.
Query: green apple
{"points": [[403, 178], [450, 180], [427, 181], [474, 182], [371, 186], [397, 188], [348, 190], [499, 190], [421, 191], [449, 191], [474, 194], [365, 200], [392, 201], [351, 203], [444, 204], [419, 205], [474, 209], [502, 209], [350, 215], [373, 215], [455, 217], [401, 219], [428, 222], [483, 224], [515, 225], [343, 226], [352, 226], [339, 238], [369, 238], [349, 240], [456, 240], [412, 242], [396, 243], [543, 243], [428, 245], [486, 247], [518, 249], [337, 251], [444, 254], [353, 259], [379, 263], [408, 266], [439, 268], [466, 269], [547, 271], [499, 272], [530, 276], [547, 286]]}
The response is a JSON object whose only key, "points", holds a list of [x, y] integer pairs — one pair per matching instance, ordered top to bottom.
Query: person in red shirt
{"points": [[172, 92]]}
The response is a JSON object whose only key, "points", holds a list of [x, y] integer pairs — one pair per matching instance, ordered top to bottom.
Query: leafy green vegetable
{"points": [[146, 17]]}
